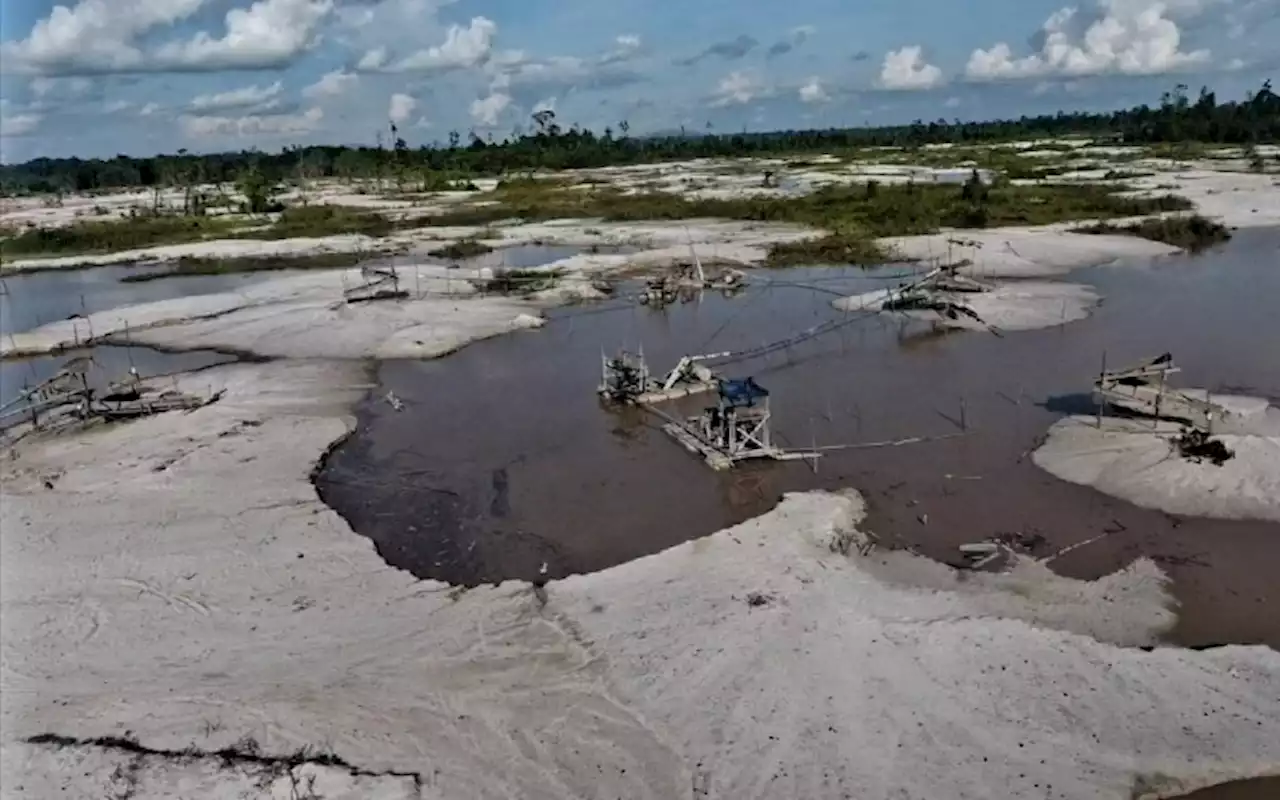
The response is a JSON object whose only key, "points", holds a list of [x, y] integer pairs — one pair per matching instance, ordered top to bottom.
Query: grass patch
{"points": [[853, 216], [326, 220], [1193, 233], [88, 237], [463, 248], [833, 248], [199, 265], [520, 281]]}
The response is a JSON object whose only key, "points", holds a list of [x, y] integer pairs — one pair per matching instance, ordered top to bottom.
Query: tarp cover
{"points": [[743, 392]]}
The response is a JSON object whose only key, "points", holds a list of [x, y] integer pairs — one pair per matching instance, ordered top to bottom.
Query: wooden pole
{"points": [[1102, 394]]}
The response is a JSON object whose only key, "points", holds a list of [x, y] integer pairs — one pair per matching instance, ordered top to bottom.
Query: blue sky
{"points": [[100, 77]]}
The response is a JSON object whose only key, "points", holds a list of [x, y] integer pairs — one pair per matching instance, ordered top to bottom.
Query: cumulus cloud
{"points": [[269, 33], [93, 36], [105, 36], [796, 37], [1130, 37], [463, 47], [627, 47], [731, 50], [373, 60], [906, 69], [331, 84], [738, 89], [813, 92], [262, 97], [401, 106], [148, 110], [486, 110], [19, 124], [204, 126]]}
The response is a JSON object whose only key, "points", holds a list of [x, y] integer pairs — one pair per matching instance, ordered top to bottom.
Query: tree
{"points": [[259, 192]]}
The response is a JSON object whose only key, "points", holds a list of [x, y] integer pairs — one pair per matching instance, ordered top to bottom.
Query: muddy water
{"points": [[32, 299], [29, 300], [502, 464]]}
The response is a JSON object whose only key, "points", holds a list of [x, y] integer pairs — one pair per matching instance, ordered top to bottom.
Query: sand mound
{"points": [[1012, 305], [1135, 460]]}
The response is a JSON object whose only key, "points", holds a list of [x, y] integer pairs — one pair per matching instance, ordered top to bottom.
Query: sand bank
{"points": [[1010, 306], [1134, 459]]}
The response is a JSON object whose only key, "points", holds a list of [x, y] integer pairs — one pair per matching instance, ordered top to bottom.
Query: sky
{"points": [[96, 78]]}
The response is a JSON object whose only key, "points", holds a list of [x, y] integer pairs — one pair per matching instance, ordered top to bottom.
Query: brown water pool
{"points": [[503, 464]]}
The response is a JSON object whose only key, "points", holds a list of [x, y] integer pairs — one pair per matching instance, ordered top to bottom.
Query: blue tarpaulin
{"points": [[743, 392]]}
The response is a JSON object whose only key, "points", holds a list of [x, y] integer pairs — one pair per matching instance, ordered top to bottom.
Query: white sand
{"points": [[1237, 199], [1025, 252], [1010, 306], [298, 316], [1134, 460], [182, 581]]}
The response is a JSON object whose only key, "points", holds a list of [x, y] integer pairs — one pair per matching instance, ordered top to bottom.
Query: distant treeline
{"points": [[548, 145]]}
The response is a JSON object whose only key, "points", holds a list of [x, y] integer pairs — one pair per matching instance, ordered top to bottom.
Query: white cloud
{"points": [[269, 33], [93, 36], [104, 36], [1130, 37], [628, 46], [462, 48], [375, 59], [1235, 64], [906, 69], [331, 84], [738, 89], [814, 92], [263, 97], [953, 102], [548, 104], [401, 106], [116, 107], [148, 110], [486, 110], [19, 124], [199, 126]]}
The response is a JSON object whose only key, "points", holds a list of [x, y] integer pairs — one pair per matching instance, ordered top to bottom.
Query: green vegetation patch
{"points": [[853, 216], [326, 220], [1193, 233], [89, 237], [463, 248], [833, 248], [194, 265], [520, 281]]}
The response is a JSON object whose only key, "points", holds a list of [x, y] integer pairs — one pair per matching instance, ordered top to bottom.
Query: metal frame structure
{"points": [[626, 378], [735, 429]]}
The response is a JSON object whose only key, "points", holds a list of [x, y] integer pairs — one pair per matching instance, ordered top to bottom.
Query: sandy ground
{"points": [[1025, 252], [1011, 306], [288, 317], [1133, 459], [182, 581]]}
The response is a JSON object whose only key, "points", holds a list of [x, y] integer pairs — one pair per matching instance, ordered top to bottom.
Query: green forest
{"points": [[549, 145]]}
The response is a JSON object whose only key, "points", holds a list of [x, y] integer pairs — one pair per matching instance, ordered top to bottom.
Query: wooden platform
{"points": [[717, 459]]}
